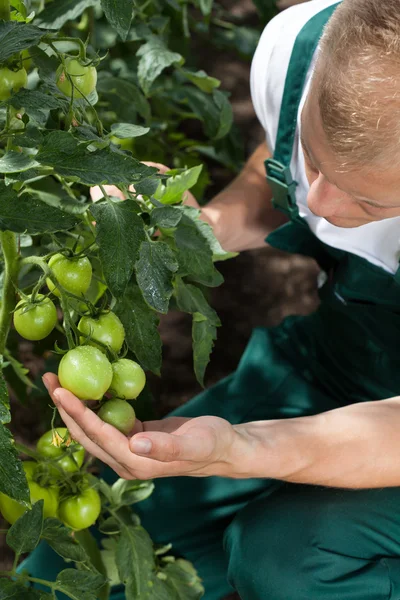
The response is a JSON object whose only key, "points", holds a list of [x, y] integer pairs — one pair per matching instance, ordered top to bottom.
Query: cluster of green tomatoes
{"points": [[56, 479]]}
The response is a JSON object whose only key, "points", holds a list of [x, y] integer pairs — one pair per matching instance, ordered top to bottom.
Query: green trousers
{"points": [[264, 538]]}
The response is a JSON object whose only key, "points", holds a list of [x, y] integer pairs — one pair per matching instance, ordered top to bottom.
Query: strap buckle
{"points": [[283, 187]]}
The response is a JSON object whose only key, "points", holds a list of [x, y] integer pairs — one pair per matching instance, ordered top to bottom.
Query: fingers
{"points": [[162, 168], [96, 193], [167, 425], [166, 447]]}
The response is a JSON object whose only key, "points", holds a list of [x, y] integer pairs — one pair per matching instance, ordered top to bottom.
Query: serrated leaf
{"points": [[56, 14], [119, 14], [15, 37], [154, 58], [203, 81], [125, 94], [33, 100], [213, 109], [225, 114], [128, 130], [31, 138], [61, 150], [16, 162], [173, 190], [30, 215], [166, 217], [206, 231], [119, 234], [195, 255], [154, 272], [190, 299], [141, 328], [204, 333], [5, 415], [12, 476], [126, 493], [24, 534], [62, 541], [135, 561], [183, 578], [80, 585], [14, 590]]}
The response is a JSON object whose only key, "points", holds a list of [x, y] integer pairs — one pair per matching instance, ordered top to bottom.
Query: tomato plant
{"points": [[110, 84], [35, 320], [119, 414]]}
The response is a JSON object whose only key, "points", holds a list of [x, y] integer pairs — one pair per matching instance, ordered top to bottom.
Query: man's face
{"points": [[346, 199]]}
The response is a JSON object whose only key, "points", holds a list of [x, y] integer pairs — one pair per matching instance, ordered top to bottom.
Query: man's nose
{"points": [[325, 200]]}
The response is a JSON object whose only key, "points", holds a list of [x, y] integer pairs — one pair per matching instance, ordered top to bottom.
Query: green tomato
{"points": [[84, 78], [11, 81], [124, 143], [73, 274], [34, 321], [107, 330], [86, 372], [128, 379], [119, 414], [64, 459], [13, 510], [80, 511]]}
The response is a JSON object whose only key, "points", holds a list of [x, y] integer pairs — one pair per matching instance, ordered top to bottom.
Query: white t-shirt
{"points": [[378, 242]]}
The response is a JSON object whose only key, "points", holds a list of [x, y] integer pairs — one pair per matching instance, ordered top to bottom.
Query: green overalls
{"points": [[269, 539]]}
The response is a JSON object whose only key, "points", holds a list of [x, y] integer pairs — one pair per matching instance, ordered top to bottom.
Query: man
{"points": [[304, 437]]}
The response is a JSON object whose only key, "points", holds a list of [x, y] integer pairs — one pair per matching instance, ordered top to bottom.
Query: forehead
{"points": [[379, 184]]}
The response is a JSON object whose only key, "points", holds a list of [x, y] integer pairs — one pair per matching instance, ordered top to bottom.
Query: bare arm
{"points": [[242, 215], [356, 446]]}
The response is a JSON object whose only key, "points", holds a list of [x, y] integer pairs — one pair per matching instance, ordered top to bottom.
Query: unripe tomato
{"points": [[84, 78], [11, 81], [124, 143], [73, 274], [34, 321], [106, 329], [86, 372], [128, 379], [119, 414], [64, 459], [13, 510], [80, 511]]}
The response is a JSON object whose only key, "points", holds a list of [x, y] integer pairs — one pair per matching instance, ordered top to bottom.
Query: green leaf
{"points": [[206, 6], [56, 14], [119, 15], [15, 37], [154, 58], [203, 81], [125, 94], [33, 100], [213, 109], [225, 114], [128, 130], [61, 150], [16, 162], [175, 187], [27, 214], [166, 217], [120, 231], [207, 232], [195, 254], [154, 272], [190, 299], [141, 328], [204, 333], [20, 371], [5, 415], [12, 476], [126, 492], [25, 534], [62, 541], [108, 558], [135, 561], [183, 578], [79, 585], [13, 590]]}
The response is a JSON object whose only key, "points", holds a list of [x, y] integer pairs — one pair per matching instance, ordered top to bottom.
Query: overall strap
{"points": [[279, 176]]}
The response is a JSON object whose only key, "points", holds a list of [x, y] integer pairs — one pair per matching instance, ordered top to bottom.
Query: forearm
{"points": [[242, 215], [357, 446]]}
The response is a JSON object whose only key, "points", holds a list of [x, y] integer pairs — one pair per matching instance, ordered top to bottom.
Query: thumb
{"points": [[167, 447]]}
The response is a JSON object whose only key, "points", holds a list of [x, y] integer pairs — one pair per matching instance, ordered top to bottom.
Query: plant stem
{"points": [[5, 10], [10, 254], [27, 451]]}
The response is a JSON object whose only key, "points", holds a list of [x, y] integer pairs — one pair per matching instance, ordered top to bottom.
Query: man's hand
{"points": [[96, 193], [197, 447]]}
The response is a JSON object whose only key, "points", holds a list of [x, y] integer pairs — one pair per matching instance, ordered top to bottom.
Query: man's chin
{"points": [[346, 223]]}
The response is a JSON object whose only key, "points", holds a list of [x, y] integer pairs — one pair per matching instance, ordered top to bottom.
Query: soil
{"points": [[261, 286]]}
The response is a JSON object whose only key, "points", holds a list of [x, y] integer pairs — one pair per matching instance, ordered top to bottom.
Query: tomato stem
{"points": [[5, 10], [11, 269]]}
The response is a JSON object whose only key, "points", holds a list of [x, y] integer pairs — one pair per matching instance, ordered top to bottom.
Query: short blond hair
{"points": [[357, 82]]}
